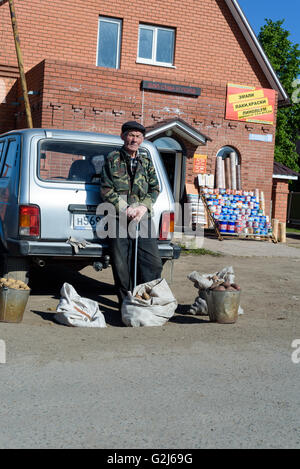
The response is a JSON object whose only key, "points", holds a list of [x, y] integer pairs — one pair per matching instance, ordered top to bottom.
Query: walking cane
{"points": [[135, 253]]}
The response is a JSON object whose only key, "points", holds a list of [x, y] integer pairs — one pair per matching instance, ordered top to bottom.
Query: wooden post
{"points": [[20, 63], [275, 223], [282, 232]]}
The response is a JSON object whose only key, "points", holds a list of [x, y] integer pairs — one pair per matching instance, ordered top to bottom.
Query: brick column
{"points": [[280, 192]]}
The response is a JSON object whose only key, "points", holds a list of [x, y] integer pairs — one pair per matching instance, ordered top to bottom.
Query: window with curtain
{"points": [[109, 42]]}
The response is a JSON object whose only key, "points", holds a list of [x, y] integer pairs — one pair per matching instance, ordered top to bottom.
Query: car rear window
{"points": [[68, 161]]}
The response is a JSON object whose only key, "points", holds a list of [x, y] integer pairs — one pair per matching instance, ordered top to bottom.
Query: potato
{"points": [[13, 283], [226, 284], [236, 286], [220, 288], [146, 296], [138, 297]]}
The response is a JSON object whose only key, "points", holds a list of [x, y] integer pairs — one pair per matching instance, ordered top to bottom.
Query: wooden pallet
{"points": [[209, 214], [257, 237]]}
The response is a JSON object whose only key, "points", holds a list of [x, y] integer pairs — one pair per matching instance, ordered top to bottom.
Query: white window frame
{"points": [[119, 23], [153, 60]]}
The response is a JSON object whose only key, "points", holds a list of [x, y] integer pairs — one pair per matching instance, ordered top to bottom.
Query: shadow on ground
{"points": [[50, 281]]}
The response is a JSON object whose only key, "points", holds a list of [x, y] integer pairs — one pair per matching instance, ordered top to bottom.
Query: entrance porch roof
{"points": [[177, 127]]}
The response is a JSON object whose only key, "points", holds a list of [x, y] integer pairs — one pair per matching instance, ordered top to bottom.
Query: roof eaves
{"points": [[281, 176]]}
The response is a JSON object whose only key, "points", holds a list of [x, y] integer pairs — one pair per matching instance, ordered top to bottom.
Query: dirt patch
{"points": [[270, 299]]}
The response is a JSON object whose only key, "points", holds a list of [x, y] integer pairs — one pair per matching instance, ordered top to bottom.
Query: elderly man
{"points": [[129, 182]]}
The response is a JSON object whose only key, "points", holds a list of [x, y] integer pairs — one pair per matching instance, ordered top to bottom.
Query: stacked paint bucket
{"points": [[197, 209], [238, 211]]}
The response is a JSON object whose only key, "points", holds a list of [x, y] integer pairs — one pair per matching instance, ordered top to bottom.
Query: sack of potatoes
{"points": [[12, 283], [145, 296]]}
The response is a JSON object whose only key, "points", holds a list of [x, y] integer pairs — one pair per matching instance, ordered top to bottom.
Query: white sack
{"points": [[226, 274], [200, 281], [204, 281], [199, 308], [74, 310], [153, 312]]}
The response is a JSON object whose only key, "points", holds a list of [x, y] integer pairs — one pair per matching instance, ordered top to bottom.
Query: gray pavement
{"points": [[251, 247], [189, 384]]}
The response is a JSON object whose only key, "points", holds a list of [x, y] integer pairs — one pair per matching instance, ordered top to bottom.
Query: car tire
{"points": [[15, 267]]}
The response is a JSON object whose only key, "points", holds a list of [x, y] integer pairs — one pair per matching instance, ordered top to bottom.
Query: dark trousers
{"points": [[149, 265]]}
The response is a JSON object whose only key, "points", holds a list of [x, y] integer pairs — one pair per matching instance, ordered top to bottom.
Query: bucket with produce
{"points": [[14, 295], [219, 296]]}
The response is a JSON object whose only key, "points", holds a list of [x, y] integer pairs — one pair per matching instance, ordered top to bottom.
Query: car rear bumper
{"points": [[64, 249]]}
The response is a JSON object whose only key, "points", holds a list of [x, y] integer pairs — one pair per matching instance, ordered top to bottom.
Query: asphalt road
{"points": [[188, 384]]}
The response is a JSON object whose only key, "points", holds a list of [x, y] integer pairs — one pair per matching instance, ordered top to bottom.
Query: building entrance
{"points": [[171, 154]]}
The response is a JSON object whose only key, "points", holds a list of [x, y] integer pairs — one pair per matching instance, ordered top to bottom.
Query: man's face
{"points": [[132, 140]]}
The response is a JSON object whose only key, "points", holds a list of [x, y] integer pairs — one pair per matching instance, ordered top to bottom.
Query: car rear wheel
{"points": [[14, 267]]}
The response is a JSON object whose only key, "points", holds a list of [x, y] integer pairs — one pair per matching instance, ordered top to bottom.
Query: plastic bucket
{"points": [[12, 304], [223, 306]]}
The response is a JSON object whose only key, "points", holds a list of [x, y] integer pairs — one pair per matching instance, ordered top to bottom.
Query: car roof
{"points": [[57, 132], [68, 134]]}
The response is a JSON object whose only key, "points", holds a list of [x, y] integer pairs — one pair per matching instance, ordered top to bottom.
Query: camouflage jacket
{"points": [[121, 188]]}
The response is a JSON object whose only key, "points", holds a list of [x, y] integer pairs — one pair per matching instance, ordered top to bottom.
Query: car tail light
{"points": [[29, 220], [167, 225]]}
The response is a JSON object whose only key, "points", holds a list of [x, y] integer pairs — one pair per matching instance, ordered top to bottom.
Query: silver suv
{"points": [[49, 193]]}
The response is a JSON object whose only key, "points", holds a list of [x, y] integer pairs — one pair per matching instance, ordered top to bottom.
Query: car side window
{"points": [[2, 146], [10, 158]]}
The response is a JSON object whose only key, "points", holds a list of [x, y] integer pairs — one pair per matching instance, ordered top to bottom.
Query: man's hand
{"points": [[140, 212], [131, 213], [136, 213]]}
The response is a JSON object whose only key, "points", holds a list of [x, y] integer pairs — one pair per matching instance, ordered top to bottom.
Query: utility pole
{"points": [[20, 63]]}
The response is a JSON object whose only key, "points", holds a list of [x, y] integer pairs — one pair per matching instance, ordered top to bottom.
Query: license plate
{"points": [[85, 221]]}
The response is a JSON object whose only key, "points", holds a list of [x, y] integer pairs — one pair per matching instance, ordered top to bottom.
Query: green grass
{"points": [[292, 230], [199, 252]]}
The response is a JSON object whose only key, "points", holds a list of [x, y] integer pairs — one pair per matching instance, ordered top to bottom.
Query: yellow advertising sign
{"points": [[238, 97], [251, 104], [255, 112]]}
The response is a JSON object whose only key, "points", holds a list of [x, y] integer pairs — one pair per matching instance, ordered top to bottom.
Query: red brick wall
{"points": [[59, 44], [209, 45], [86, 98], [280, 192]]}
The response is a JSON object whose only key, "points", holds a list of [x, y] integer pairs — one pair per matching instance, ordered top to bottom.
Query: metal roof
{"points": [[282, 172]]}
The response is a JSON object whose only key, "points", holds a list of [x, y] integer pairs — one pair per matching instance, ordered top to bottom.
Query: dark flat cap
{"points": [[133, 125]]}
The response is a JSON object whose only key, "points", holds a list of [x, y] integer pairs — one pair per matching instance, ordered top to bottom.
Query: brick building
{"points": [[92, 65]]}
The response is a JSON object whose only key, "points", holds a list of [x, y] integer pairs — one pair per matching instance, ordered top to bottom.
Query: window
{"points": [[109, 42], [156, 45], [2, 143], [1, 146], [11, 153], [69, 161], [232, 173]]}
